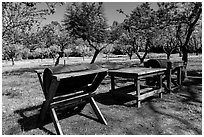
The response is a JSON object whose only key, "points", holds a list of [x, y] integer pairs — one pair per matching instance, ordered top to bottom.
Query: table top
{"points": [[135, 71]]}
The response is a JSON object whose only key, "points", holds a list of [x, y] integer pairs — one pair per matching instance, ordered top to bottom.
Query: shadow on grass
{"points": [[192, 87], [189, 95], [30, 122], [188, 125]]}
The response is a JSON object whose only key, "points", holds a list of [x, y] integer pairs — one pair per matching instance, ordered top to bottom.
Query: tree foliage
{"points": [[185, 16], [18, 18], [87, 21], [140, 28]]}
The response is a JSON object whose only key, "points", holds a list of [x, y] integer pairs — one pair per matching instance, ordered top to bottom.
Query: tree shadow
{"points": [[189, 92], [191, 95], [124, 99], [30, 118], [183, 121]]}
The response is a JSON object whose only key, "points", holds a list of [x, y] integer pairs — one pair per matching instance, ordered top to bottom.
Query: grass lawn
{"points": [[177, 113]]}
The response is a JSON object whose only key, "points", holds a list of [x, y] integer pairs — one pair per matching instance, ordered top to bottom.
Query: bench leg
{"points": [[44, 109], [97, 111], [56, 122]]}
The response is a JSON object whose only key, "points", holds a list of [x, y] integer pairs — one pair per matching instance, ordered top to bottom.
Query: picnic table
{"points": [[175, 73], [138, 74], [69, 86]]}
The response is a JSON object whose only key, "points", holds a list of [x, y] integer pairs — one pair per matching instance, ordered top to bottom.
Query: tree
{"points": [[24, 15], [186, 16], [18, 18], [87, 21], [140, 28], [54, 34], [166, 38], [54, 50], [11, 51]]}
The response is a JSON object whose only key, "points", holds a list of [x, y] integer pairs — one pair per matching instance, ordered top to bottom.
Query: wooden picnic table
{"points": [[138, 74]]}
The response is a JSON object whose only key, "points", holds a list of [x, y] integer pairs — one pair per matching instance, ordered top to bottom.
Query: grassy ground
{"points": [[179, 112]]}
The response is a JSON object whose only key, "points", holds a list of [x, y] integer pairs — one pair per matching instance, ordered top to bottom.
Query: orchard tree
{"points": [[24, 15], [186, 16], [18, 18], [87, 21], [140, 28], [54, 34], [166, 38], [62, 39], [125, 45], [11, 50], [54, 50]]}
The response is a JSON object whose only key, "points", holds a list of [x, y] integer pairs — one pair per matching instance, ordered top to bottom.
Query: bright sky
{"points": [[109, 9]]}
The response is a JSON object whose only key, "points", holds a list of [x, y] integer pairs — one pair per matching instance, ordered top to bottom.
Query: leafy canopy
{"points": [[87, 21]]}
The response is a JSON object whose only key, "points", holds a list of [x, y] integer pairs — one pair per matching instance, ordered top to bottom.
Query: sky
{"points": [[109, 8]]}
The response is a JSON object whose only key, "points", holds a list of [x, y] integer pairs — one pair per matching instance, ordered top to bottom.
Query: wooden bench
{"points": [[174, 74], [70, 86]]}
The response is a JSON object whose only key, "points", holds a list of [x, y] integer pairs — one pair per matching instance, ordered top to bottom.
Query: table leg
{"points": [[179, 76], [112, 83], [137, 85], [160, 86]]}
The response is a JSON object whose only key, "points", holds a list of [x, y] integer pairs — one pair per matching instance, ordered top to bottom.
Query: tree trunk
{"points": [[189, 32], [180, 54], [95, 55], [130, 56], [168, 56], [58, 58], [12, 60], [57, 61]]}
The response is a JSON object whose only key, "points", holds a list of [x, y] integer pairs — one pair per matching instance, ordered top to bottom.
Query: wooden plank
{"points": [[132, 72], [77, 74], [152, 74], [179, 76], [41, 83], [112, 83], [137, 85], [160, 86], [125, 89], [145, 90], [148, 94], [49, 98], [72, 99], [97, 111], [56, 122]]}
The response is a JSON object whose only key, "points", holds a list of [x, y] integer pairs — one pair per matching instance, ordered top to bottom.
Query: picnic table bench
{"points": [[138, 74], [71, 86]]}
